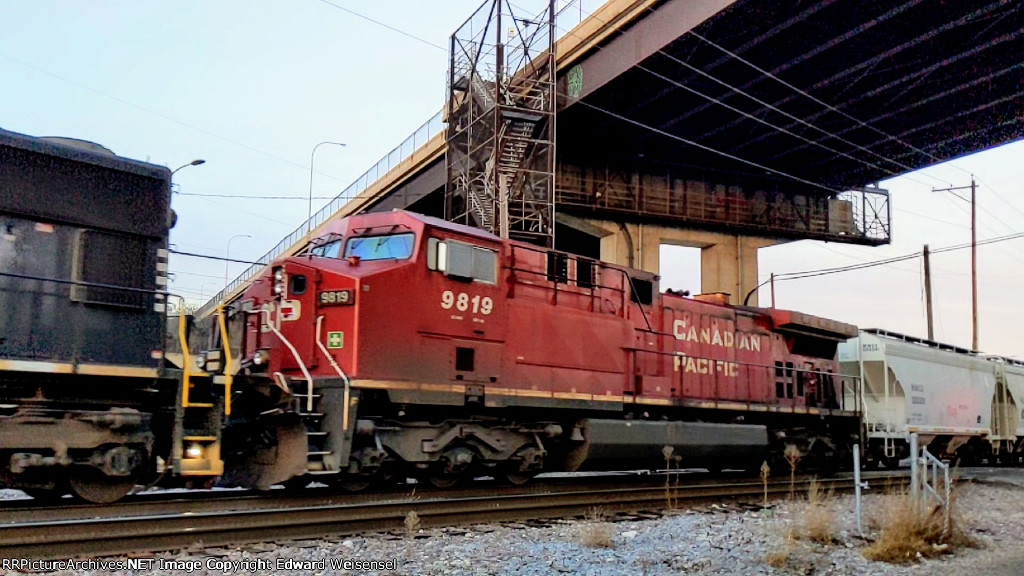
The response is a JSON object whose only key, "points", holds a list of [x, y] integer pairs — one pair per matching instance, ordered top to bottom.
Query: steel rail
{"points": [[150, 503], [90, 537]]}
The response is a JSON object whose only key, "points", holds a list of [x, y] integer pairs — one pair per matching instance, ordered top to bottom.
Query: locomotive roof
{"points": [[81, 154], [444, 224]]}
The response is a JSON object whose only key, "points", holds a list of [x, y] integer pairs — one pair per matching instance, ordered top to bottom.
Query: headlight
{"points": [[279, 278], [261, 357], [201, 361], [194, 451]]}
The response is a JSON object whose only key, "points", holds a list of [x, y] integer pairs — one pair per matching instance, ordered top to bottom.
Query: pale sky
{"points": [[252, 86]]}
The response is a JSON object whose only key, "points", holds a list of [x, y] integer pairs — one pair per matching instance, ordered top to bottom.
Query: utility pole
{"points": [[974, 254], [773, 289], [928, 290]]}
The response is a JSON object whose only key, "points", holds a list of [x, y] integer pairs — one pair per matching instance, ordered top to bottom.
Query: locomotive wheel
{"points": [[518, 478], [443, 480], [296, 482], [354, 483], [94, 486], [45, 495]]}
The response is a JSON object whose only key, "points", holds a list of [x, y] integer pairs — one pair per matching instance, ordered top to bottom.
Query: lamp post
{"points": [[312, 155], [195, 162], [227, 256]]}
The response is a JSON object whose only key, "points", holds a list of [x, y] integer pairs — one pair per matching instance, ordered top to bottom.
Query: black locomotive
{"points": [[87, 403]]}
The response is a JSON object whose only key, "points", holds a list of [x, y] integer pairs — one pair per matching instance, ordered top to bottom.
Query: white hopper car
{"points": [[963, 405]]}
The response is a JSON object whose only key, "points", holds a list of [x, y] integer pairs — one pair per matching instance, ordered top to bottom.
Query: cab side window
{"points": [[329, 250], [463, 260]]}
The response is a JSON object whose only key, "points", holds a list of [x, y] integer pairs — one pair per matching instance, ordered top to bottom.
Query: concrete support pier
{"points": [[728, 261]]}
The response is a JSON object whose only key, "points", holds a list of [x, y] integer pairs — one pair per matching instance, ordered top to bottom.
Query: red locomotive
{"points": [[399, 344]]}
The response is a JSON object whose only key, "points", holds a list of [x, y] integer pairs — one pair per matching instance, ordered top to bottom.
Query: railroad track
{"points": [[299, 517]]}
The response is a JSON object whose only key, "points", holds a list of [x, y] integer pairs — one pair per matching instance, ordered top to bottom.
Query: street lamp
{"points": [[195, 162], [309, 213], [227, 256]]}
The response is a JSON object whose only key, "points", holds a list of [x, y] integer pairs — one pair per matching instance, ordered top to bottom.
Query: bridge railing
{"points": [[425, 132]]}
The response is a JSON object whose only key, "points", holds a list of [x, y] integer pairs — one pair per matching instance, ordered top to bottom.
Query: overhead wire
{"points": [[388, 26], [765, 104], [832, 108], [158, 114], [243, 196], [211, 257], [891, 260]]}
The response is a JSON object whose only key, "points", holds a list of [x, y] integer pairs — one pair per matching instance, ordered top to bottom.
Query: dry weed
{"points": [[793, 456], [765, 471], [594, 514], [818, 517], [412, 523], [909, 532], [596, 533], [597, 536], [788, 558], [778, 559]]}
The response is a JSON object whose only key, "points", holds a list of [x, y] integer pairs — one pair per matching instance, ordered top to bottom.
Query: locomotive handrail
{"points": [[596, 263], [83, 283], [295, 354], [330, 359], [186, 361], [228, 368], [840, 399]]}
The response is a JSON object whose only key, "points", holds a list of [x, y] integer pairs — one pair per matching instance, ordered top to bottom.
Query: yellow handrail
{"points": [[185, 360], [228, 367]]}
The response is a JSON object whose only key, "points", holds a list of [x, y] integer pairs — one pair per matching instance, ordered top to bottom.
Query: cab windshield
{"points": [[391, 246]]}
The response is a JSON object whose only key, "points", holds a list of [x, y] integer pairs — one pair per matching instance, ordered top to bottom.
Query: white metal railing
{"points": [[925, 471]]}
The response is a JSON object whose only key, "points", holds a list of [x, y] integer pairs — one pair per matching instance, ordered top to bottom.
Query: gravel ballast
{"points": [[727, 538]]}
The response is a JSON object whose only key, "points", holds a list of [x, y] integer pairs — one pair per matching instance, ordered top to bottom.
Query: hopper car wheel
{"points": [[1008, 458], [891, 462], [94, 486]]}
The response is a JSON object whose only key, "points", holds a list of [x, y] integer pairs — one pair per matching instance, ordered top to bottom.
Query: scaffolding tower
{"points": [[500, 156]]}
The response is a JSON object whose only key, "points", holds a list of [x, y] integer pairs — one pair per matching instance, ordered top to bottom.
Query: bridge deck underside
{"points": [[904, 85], [812, 98]]}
